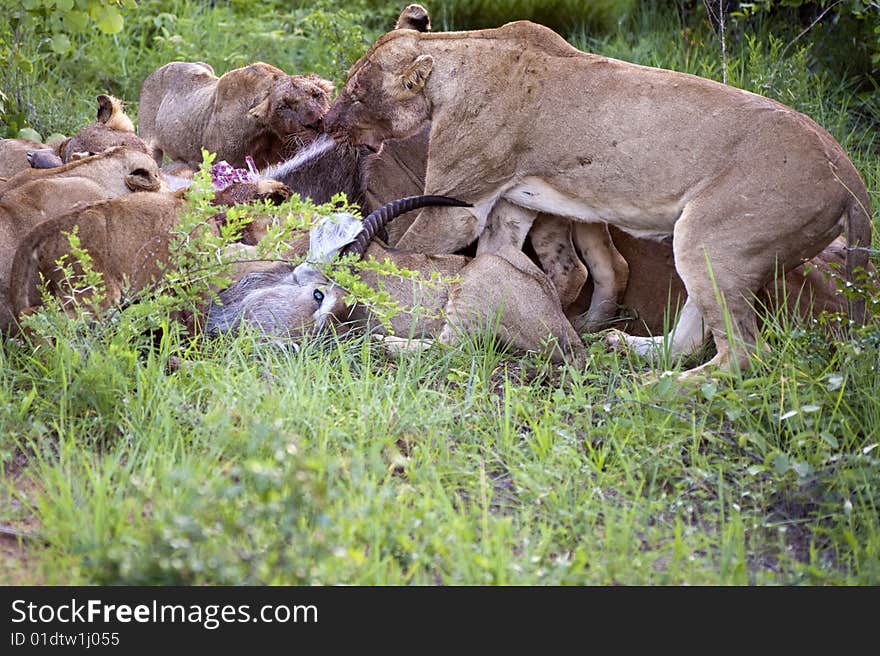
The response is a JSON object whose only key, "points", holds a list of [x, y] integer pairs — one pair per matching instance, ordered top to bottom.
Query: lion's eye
{"points": [[319, 296]]}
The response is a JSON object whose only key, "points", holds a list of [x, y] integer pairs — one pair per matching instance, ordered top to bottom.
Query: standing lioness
{"points": [[744, 184]]}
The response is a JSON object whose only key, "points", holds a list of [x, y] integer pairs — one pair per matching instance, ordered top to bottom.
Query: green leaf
{"points": [[64, 5], [109, 19], [75, 21], [60, 44], [29, 133], [709, 390], [829, 439], [780, 463]]}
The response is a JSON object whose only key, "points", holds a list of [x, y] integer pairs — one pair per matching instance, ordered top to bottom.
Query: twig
{"points": [[809, 27], [723, 31], [723, 42], [9, 532]]}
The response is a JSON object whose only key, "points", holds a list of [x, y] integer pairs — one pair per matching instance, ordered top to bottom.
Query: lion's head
{"points": [[294, 107], [112, 128]]}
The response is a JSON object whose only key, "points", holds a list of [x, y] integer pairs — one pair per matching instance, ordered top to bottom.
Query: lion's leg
{"points": [[507, 225], [444, 229], [551, 238], [609, 270], [721, 275], [686, 337], [397, 346]]}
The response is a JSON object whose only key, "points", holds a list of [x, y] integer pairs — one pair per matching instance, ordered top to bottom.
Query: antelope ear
{"points": [[415, 76], [260, 111]]}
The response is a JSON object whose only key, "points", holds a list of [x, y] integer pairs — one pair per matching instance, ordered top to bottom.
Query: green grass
{"points": [[151, 459]]}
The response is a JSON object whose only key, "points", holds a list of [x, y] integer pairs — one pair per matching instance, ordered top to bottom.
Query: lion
{"points": [[414, 17], [257, 110], [112, 128], [14, 156], [117, 170], [744, 185], [35, 196], [126, 236], [654, 291]]}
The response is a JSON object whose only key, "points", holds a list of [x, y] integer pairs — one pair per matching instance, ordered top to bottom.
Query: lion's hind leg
{"points": [[551, 238], [609, 271], [721, 273]]}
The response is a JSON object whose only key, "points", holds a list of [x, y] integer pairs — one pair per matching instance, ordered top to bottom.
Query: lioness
{"points": [[257, 110], [112, 128], [14, 156], [745, 185], [35, 196]]}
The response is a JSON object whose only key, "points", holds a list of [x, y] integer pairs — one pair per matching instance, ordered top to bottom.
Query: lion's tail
{"points": [[857, 223], [24, 277]]}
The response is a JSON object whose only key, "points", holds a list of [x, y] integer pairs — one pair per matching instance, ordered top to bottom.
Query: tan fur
{"points": [[414, 17], [256, 110], [112, 128], [14, 156], [118, 170], [398, 170], [744, 184], [36, 195], [125, 237], [126, 252], [656, 293], [504, 294]]}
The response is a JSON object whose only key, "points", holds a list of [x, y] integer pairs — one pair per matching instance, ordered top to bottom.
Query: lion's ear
{"points": [[414, 17], [415, 76], [325, 85], [105, 108], [260, 111], [60, 147], [142, 180]]}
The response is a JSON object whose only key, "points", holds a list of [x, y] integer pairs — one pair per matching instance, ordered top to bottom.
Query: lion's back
{"points": [[175, 101]]}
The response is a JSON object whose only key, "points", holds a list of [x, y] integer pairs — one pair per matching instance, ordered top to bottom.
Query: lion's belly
{"points": [[645, 218]]}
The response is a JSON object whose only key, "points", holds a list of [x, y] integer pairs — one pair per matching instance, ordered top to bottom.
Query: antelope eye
{"points": [[319, 295]]}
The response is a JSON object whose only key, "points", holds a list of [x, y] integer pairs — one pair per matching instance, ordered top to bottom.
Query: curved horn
{"points": [[378, 218]]}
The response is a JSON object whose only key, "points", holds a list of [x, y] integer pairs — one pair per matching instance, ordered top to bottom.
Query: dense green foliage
{"points": [[144, 457]]}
